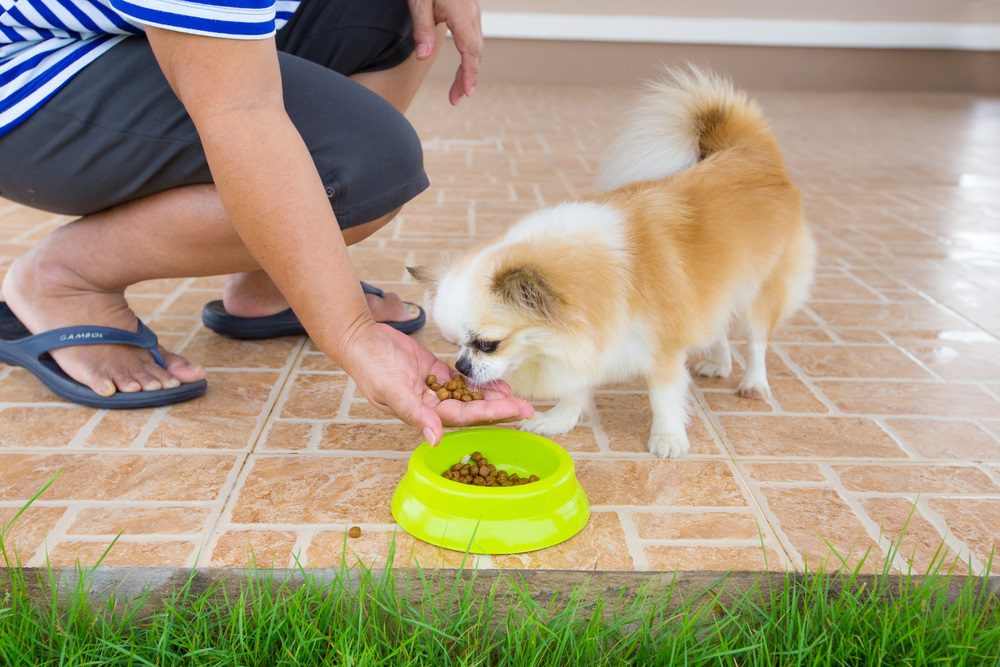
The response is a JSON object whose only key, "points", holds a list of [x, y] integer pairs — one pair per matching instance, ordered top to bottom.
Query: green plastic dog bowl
{"points": [[491, 520]]}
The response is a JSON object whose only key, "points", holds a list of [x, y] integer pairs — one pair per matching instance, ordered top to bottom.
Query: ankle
{"points": [[252, 295]]}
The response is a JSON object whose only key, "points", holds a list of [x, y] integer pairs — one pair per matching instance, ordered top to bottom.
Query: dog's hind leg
{"points": [[780, 295], [718, 361], [668, 396]]}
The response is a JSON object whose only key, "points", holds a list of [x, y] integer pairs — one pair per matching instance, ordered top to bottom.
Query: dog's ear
{"points": [[425, 275], [527, 288]]}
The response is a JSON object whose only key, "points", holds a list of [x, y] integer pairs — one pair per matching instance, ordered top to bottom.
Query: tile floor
{"points": [[886, 386]]}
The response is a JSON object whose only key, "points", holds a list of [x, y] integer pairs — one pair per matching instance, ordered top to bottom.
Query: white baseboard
{"points": [[758, 32]]}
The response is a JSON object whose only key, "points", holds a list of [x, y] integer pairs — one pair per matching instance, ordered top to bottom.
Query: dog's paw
{"points": [[712, 368], [759, 392], [549, 423], [668, 445]]}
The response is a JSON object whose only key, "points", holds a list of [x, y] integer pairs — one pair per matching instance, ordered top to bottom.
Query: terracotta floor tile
{"points": [[907, 257], [833, 288], [882, 315], [787, 334], [860, 336], [213, 350], [317, 361], [881, 361], [961, 361], [20, 386], [230, 394], [314, 396], [795, 396], [946, 400], [730, 401], [628, 418], [40, 427], [118, 428], [203, 432], [286, 435], [808, 436], [370, 437], [947, 439], [782, 472], [113, 476], [911, 478], [659, 482], [314, 489], [796, 511], [139, 520], [975, 521], [696, 526], [24, 536], [917, 540], [599, 546], [260, 548], [372, 549], [135, 554], [721, 559]]}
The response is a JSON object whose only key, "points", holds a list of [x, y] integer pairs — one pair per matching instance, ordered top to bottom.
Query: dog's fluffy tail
{"points": [[681, 118]]}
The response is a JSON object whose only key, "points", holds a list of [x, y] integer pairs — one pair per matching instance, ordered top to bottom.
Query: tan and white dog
{"points": [[696, 231]]}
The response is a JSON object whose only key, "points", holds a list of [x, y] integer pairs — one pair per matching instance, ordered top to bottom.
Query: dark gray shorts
{"points": [[117, 132]]}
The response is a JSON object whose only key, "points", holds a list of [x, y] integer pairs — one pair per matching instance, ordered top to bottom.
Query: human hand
{"points": [[463, 20], [390, 369]]}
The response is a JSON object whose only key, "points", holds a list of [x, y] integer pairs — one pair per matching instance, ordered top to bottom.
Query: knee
{"points": [[383, 169]]}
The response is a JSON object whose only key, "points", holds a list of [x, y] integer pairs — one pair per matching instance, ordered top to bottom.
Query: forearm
{"points": [[276, 202]]}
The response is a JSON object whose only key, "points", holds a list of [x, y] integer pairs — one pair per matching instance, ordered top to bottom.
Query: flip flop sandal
{"points": [[285, 323], [18, 347]]}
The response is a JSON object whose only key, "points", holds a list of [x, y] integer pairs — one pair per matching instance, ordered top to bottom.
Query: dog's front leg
{"points": [[668, 396], [560, 418]]}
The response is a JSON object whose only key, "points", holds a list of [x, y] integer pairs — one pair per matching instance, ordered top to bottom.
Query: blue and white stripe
{"points": [[43, 43]]}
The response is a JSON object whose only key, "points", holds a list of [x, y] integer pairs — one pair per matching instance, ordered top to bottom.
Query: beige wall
{"points": [[950, 11]]}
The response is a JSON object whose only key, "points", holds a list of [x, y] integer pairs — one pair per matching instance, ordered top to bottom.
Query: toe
{"points": [[181, 368], [161, 375], [147, 381], [126, 382]]}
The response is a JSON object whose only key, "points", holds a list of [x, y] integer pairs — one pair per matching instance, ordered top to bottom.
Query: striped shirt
{"points": [[43, 43]]}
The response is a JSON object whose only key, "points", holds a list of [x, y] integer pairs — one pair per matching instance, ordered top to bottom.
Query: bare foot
{"points": [[254, 295], [47, 297]]}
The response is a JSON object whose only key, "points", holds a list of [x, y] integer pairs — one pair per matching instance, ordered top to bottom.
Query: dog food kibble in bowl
{"points": [[454, 388], [477, 470]]}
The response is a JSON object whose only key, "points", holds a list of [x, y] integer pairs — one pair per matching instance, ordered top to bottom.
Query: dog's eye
{"points": [[486, 346]]}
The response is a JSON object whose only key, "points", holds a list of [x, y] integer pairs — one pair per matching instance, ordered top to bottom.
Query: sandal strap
{"points": [[371, 289], [55, 339]]}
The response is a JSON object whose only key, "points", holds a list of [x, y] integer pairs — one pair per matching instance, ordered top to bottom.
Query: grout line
{"points": [[804, 378], [597, 427], [84, 432], [141, 438], [900, 442], [238, 473], [873, 529], [772, 535], [53, 537], [303, 541], [632, 541], [711, 542], [957, 545]]}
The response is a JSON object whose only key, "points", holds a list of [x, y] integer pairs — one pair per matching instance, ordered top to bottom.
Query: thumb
{"points": [[422, 12], [416, 413]]}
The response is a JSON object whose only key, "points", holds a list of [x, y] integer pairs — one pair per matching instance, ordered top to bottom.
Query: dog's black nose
{"points": [[464, 366]]}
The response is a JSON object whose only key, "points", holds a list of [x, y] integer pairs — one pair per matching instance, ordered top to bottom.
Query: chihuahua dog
{"points": [[695, 232]]}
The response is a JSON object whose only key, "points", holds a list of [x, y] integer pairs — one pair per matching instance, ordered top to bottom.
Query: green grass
{"points": [[364, 617]]}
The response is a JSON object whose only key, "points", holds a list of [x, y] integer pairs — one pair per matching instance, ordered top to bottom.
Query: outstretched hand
{"points": [[464, 21], [391, 368]]}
